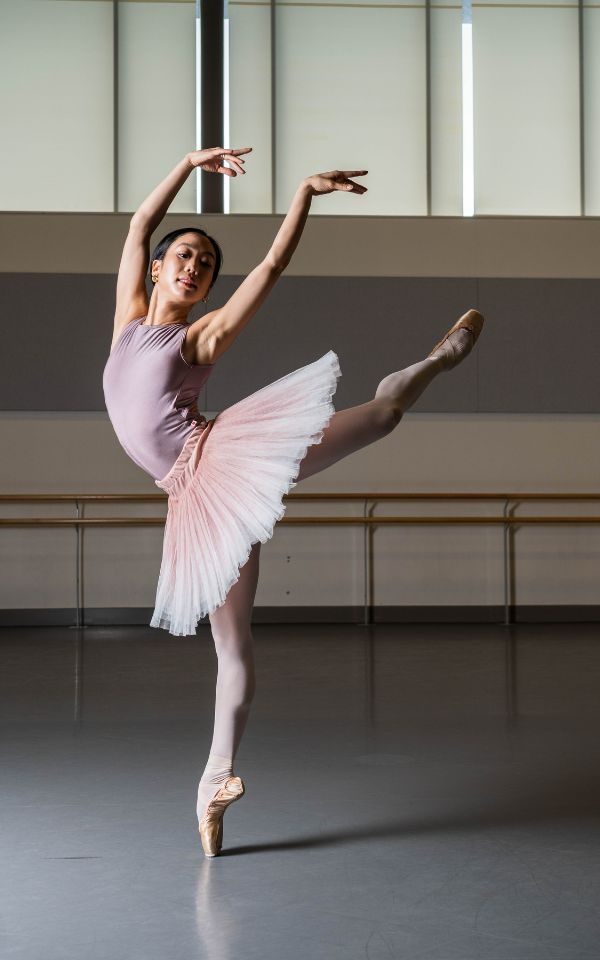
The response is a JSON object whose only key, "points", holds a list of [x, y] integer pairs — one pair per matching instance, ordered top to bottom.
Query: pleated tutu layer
{"points": [[226, 489]]}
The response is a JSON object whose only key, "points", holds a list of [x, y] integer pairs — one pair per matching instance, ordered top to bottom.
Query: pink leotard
{"points": [[151, 393]]}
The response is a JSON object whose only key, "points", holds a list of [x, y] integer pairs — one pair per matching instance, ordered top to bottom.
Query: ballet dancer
{"points": [[226, 478]]}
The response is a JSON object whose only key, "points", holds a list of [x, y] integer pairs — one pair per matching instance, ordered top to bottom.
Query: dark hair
{"points": [[164, 244]]}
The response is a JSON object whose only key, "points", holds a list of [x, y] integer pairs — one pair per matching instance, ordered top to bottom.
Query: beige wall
{"points": [[331, 246]]}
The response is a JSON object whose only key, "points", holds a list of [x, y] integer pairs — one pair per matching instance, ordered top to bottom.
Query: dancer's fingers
{"points": [[216, 151], [223, 154], [229, 155], [234, 162], [233, 169], [334, 180], [341, 180], [351, 187]]}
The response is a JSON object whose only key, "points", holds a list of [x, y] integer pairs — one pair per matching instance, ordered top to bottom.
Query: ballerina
{"points": [[225, 478]]}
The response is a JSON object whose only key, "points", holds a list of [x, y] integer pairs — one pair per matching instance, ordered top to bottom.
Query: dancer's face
{"points": [[191, 257]]}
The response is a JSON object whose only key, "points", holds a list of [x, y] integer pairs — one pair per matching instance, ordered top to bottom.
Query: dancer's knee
{"points": [[388, 414]]}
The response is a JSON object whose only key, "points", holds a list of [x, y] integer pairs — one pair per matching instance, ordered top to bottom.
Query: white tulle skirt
{"points": [[226, 489]]}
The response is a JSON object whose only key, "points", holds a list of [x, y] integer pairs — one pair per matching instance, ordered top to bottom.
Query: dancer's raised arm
{"points": [[131, 297], [228, 321]]}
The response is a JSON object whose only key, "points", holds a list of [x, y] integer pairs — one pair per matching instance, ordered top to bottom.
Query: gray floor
{"points": [[413, 791]]}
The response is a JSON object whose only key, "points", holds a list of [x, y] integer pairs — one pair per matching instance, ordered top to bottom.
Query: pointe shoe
{"points": [[472, 321], [211, 822]]}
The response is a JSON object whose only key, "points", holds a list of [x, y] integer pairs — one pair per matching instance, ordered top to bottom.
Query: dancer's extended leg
{"points": [[349, 430], [234, 645]]}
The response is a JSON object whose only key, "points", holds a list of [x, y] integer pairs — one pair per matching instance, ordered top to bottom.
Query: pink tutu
{"points": [[227, 485]]}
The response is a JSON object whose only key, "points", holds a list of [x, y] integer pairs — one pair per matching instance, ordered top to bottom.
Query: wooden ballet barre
{"points": [[160, 497], [341, 521]]}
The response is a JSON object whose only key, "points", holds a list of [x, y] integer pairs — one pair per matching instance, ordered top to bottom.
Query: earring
{"points": [[154, 278], [205, 299]]}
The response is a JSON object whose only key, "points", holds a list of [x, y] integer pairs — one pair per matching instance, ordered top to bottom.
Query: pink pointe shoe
{"points": [[453, 353], [211, 822]]}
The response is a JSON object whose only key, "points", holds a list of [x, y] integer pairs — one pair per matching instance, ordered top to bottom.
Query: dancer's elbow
{"points": [[276, 264]]}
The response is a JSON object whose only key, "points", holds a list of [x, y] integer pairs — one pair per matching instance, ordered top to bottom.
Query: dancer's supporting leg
{"points": [[349, 430], [234, 645]]}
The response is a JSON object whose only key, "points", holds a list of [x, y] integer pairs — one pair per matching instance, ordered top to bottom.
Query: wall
{"points": [[522, 414]]}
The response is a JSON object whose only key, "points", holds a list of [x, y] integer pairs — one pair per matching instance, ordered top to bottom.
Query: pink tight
{"points": [[234, 645]]}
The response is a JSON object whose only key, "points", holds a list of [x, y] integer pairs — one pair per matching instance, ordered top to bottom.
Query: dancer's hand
{"points": [[213, 158], [321, 183]]}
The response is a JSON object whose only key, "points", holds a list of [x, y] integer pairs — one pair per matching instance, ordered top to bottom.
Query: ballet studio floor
{"points": [[420, 792]]}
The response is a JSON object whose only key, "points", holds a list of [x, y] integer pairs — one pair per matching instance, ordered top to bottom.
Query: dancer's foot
{"points": [[459, 341], [211, 823]]}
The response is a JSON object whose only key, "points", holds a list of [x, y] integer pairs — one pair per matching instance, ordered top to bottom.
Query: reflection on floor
{"points": [[413, 791]]}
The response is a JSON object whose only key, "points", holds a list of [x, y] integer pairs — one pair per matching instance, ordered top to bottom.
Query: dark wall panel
{"points": [[57, 334], [541, 348], [538, 352]]}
